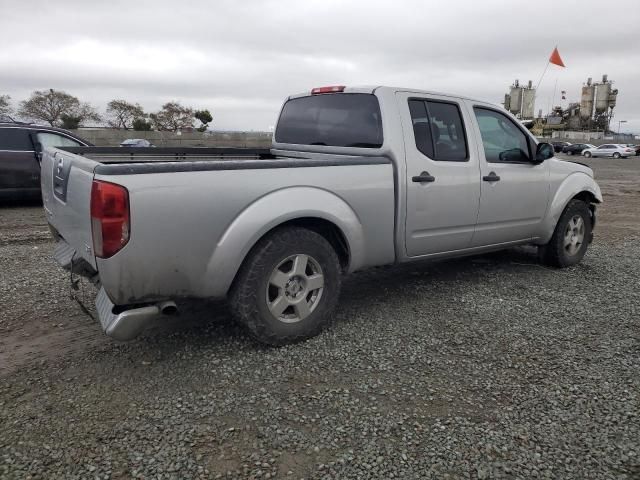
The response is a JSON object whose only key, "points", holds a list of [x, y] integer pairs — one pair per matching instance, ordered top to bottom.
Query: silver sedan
{"points": [[609, 150]]}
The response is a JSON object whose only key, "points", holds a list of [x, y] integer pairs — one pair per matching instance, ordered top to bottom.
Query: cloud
{"points": [[241, 59]]}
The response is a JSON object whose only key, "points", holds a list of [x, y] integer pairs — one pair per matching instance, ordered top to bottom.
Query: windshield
{"points": [[337, 119]]}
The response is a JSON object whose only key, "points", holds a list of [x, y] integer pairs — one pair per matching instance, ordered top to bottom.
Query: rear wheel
{"points": [[569, 152], [587, 154], [616, 155], [571, 237], [288, 287]]}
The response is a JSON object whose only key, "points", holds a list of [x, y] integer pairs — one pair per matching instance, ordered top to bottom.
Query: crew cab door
{"points": [[442, 184], [514, 189]]}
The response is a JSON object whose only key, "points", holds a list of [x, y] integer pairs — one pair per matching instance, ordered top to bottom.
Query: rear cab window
{"points": [[332, 119], [15, 139]]}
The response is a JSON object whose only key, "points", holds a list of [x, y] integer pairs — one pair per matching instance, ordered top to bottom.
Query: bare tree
{"points": [[5, 105], [51, 105], [123, 114], [173, 117]]}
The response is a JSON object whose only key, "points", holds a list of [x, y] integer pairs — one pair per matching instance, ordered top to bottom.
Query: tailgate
{"points": [[66, 195]]}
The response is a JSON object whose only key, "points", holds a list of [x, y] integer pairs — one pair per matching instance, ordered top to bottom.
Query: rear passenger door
{"points": [[19, 168], [442, 184], [514, 189]]}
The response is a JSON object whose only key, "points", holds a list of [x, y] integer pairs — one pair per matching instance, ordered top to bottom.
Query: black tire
{"points": [[569, 152], [587, 154], [616, 155], [554, 253], [249, 296]]}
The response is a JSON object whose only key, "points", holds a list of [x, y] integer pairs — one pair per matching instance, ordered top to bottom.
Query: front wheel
{"points": [[569, 152], [587, 154], [571, 237], [288, 287]]}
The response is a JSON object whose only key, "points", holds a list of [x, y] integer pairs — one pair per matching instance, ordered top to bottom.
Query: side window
{"points": [[421, 127], [438, 130], [16, 139], [48, 139], [503, 141]]}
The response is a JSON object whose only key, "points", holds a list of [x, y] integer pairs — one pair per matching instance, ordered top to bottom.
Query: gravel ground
{"points": [[489, 367]]}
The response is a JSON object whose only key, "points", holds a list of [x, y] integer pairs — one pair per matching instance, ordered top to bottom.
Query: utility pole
{"points": [[619, 122]]}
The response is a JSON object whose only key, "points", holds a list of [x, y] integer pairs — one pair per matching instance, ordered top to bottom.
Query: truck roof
{"points": [[374, 88]]}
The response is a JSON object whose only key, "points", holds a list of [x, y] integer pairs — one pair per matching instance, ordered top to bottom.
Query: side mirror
{"points": [[544, 151]]}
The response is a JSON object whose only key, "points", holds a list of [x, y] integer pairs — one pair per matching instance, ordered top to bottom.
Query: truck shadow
{"points": [[206, 322]]}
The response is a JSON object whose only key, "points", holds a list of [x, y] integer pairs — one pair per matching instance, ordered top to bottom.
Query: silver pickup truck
{"points": [[356, 177]]}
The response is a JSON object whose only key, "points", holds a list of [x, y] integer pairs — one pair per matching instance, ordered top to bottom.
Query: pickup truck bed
{"points": [[224, 212]]}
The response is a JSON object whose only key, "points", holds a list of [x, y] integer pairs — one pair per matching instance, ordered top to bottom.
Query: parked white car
{"points": [[614, 150]]}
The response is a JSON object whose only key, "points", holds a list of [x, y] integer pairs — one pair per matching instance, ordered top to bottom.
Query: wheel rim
{"points": [[616, 155], [574, 235], [295, 287]]}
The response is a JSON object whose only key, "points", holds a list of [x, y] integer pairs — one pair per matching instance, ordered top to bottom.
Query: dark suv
{"points": [[558, 146], [20, 147], [576, 148]]}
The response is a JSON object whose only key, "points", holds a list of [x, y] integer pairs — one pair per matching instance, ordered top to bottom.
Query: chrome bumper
{"points": [[125, 325]]}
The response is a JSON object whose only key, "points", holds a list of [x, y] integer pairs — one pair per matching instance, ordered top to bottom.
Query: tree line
{"points": [[60, 109]]}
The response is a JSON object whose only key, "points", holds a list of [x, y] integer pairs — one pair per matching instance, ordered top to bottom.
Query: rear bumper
{"points": [[125, 325]]}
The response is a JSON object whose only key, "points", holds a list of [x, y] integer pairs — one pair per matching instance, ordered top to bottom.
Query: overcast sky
{"points": [[240, 59]]}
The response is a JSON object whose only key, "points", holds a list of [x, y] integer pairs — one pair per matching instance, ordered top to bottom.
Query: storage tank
{"points": [[515, 95], [602, 97], [612, 98], [586, 100], [507, 101], [528, 102]]}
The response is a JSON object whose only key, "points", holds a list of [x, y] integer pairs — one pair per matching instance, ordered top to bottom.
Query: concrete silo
{"points": [[515, 98], [587, 100], [528, 102]]}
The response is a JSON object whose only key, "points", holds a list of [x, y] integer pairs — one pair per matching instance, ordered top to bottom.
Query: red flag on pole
{"points": [[555, 58]]}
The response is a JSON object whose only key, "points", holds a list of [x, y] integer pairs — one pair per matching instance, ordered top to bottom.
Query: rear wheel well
{"points": [[323, 227], [328, 230]]}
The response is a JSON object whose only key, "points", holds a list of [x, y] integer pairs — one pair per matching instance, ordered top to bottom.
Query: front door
{"points": [[442, 184], [514, 189]]}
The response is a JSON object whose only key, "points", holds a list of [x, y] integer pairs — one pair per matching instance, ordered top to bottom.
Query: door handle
{"points": [[423, 177], [492, 177]]}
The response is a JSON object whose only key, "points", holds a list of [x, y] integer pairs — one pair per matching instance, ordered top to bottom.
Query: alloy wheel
{"points": [[295, 287]]}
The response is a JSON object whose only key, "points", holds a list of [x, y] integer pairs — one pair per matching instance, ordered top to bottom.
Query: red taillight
{"points": [[331, 89], [109, 218]]}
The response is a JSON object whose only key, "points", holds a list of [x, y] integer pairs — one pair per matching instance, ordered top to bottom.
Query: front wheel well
{"points": [[586, 197], [591, 200]]}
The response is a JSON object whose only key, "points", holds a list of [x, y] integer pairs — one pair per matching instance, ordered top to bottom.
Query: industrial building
{"points": [[589, 118]]}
